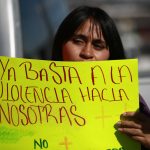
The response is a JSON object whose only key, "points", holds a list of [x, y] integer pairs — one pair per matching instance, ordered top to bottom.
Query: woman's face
{"points": [[87, 44]]}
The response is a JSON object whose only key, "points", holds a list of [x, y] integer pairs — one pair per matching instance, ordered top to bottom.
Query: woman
{"points": [[87, 34]]}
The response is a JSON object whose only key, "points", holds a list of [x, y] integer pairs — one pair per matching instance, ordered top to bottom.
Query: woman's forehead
{"points": [[89, 27]]}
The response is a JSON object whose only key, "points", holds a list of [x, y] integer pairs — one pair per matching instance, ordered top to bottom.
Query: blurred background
{"points": [[27, 29]]}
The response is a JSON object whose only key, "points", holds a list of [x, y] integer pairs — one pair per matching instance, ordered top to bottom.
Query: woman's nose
{"points": [[87, 52]]}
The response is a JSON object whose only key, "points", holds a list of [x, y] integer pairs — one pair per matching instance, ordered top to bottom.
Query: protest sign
{"points": [[58, 105]]}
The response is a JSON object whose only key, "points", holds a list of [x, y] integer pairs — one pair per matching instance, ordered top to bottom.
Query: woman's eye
{"points": [[78, 41], [99, 46]]}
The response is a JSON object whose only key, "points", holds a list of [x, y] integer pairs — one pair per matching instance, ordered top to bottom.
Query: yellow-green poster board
{"points": [[53, 105]]}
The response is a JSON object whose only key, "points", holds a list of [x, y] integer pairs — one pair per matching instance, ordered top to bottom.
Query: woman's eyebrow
{"points": [[80, 36], [99, 41]]}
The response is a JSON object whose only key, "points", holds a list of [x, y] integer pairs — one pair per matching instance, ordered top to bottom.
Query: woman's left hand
{"points": [[137, 126]]}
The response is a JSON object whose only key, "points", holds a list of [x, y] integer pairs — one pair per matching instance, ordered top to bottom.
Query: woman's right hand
{"points": [[137, 126]]}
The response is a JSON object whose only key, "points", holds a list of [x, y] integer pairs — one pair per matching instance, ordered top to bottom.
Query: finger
{"points": [[127, 116], [134, 116], [128, 124], [131, 131], [141, 139]]}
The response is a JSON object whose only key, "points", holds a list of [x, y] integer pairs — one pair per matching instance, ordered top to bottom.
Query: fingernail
{"points": [[124, 114], [118, 123], [120, 129]]}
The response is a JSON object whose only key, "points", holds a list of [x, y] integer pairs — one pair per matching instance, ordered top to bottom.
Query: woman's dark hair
{"points": [[76, 18]]}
